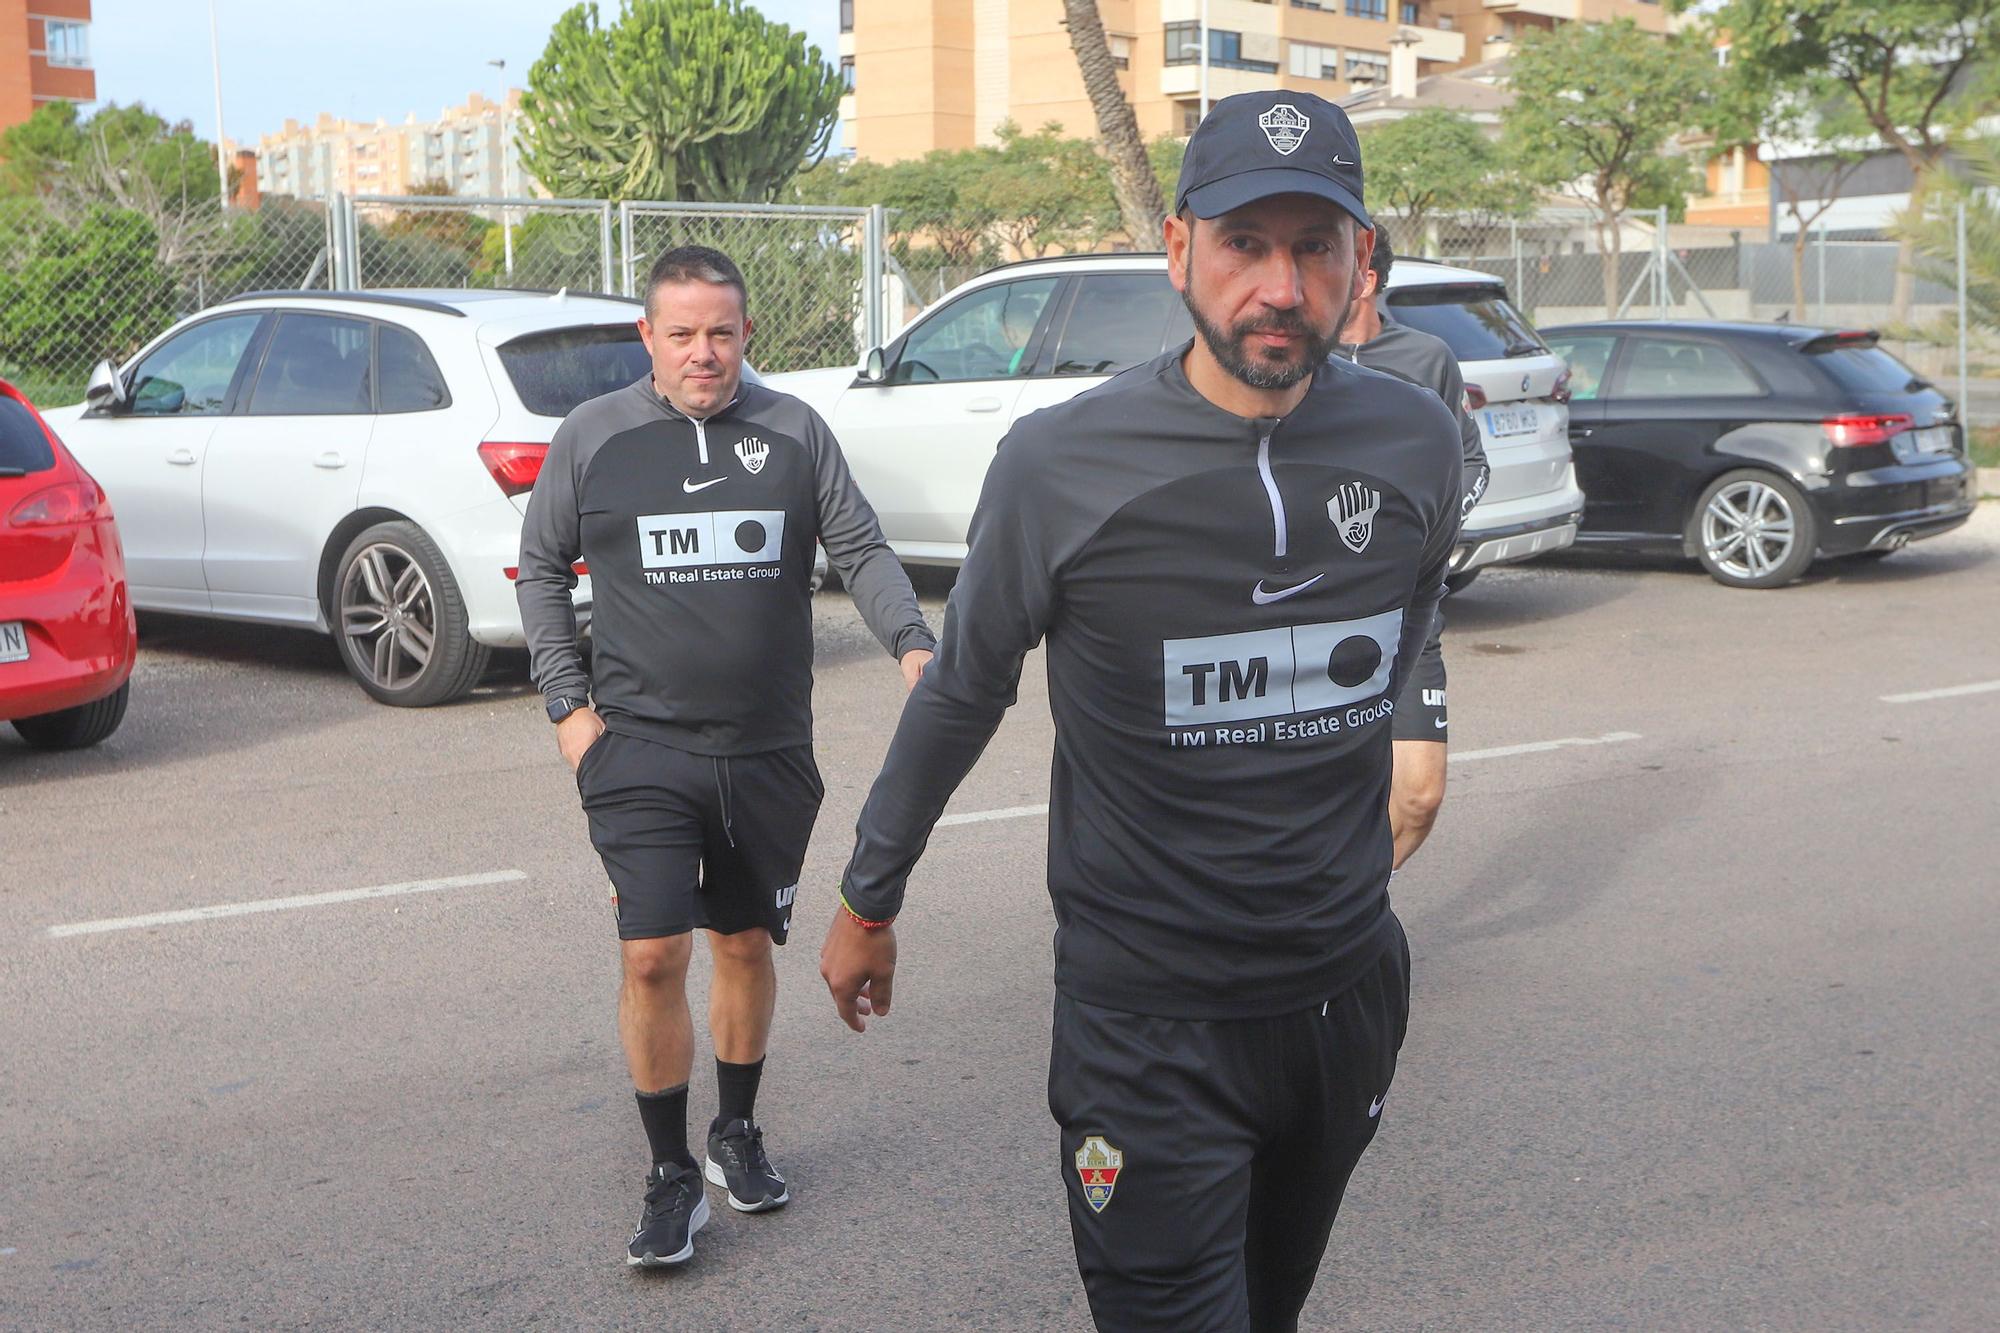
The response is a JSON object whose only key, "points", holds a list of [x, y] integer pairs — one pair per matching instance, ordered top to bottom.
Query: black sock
{"points": [[736, 1092], [665, 1115]]}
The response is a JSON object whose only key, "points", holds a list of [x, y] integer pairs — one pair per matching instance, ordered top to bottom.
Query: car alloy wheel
{"points": [[1754, 529], [388, 615]]}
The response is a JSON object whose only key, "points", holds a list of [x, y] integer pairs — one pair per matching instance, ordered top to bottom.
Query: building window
{"points": [[1323, 5], [1368, 9], [1412, 12], [847, 15], [1183, 43], [67, 44], [1225, 49], [1121, 51], [1314, 62], [1365, 65], [847, 73], [1190, 117]]}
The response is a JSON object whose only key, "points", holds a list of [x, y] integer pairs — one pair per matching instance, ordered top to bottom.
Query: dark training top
{"points": [[1423, 359], [698, 536], [1230, 607]]}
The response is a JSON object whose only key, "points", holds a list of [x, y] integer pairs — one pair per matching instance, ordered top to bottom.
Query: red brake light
{"points": [[1560, 393], [1475, 397], [1854, 431], [514, 466], [60, 506]]}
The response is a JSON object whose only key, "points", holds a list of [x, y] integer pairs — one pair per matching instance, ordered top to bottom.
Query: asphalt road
{"points": [[1706, 1032]]}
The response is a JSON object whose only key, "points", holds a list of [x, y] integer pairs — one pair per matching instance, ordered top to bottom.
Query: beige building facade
{"points": [[928, 74], [469, 148]]}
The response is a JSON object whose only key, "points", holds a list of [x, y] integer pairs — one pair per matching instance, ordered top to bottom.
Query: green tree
{"points": [[1920, 72], [677, 99], [1595, 106], [1436, 161], [1043, 193], [1932, 232], [73, 292]]}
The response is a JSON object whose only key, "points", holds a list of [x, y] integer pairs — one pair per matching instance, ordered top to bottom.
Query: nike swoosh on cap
{"points": [[690, 485], [1263, 596]]}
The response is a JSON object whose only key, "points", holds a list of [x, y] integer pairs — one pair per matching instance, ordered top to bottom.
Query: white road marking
{"points": [[1950, 692], [1532, 747], [1539, 747], [983, 816], [221, 910]]}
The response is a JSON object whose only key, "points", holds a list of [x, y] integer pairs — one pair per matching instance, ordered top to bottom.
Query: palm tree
{"points": [[1133, 183]]}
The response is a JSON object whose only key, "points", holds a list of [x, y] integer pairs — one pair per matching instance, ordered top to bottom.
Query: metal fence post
{"points": [[873, 231], [604, 247], [625, 247], [1660, 259], [1822, 269], [1520, 270], [354, 276], [1964, 383]]}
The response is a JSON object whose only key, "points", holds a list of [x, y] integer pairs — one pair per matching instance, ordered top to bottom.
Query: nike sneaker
{"points": [[737, 1162], [676, 1208]]}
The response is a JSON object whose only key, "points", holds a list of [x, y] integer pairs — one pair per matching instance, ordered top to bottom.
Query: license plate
{"points": [[1504, 421], [1931, 440], [13, 642]]}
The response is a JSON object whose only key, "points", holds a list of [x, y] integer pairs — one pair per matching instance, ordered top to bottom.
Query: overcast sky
{"points": [[362, 59]]}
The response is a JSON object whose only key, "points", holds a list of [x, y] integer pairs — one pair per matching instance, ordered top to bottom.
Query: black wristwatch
{"points": [[562, 708]]}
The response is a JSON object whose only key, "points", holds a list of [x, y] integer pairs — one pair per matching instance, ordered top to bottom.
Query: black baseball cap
{"points": [[1254, 145]]}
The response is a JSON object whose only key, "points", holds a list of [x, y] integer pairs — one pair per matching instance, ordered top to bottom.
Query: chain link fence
{"points": [[80, 282]]}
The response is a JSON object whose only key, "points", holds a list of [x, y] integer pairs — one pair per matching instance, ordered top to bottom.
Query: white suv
{"points": [[921, 420], [356, 462]]}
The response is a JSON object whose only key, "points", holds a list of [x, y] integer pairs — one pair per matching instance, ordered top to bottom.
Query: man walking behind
{"points": [[1372, 338], [694, 500], [1233, 552]]}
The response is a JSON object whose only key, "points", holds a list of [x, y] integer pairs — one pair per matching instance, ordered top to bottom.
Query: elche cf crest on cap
{"points": [[1285, 126], [1098, 1165]]}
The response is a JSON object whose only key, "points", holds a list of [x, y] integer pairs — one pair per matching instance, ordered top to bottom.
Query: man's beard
{"points": [[1273, 369]]}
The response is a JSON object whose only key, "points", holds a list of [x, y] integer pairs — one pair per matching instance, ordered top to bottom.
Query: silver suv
{"points": [[921, 418]]}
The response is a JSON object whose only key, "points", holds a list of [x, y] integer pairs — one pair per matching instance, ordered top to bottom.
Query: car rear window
{"points": [[1477, 322], [1864, 367], [555, 371], [24, 446]]}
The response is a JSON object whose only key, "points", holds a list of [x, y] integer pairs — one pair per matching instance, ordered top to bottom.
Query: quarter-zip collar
{"points": [[644, 386]]}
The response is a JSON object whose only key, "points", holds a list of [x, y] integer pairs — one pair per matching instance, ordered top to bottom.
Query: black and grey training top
{"points": [[1425, 359], [698, 536], [1230, 607]]}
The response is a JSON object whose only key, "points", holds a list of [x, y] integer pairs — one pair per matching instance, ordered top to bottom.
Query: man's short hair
{"points": [[1383, 258], [695, 263]]}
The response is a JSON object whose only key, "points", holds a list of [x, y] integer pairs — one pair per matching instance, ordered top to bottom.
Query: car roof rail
{"points": [[368, 298]]}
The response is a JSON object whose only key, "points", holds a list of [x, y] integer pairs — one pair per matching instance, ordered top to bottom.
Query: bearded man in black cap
{"points": [[1233, 552]]}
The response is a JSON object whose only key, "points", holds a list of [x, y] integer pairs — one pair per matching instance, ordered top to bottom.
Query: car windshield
{"points": [[1476, 321], [1868, 368], [557, 370], [24, 446]]}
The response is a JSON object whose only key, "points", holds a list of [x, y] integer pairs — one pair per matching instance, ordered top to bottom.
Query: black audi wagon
{"points": [[1756, 448]]}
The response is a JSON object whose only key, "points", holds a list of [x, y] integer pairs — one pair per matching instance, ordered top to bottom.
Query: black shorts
{"points": [[1420, 707], [691, 840], [1205, 1160]]}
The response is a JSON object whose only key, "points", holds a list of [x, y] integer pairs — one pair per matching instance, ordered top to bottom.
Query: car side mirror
{"points": [[875, 366], [105, 391]]}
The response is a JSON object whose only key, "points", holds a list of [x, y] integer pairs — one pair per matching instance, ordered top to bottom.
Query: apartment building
{"points": [[44, 56], [925, 74], [469, 148]]}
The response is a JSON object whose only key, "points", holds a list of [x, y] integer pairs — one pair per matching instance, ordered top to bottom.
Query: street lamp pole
{"points": [[1204, 59], [221, 153], [506, 216]]}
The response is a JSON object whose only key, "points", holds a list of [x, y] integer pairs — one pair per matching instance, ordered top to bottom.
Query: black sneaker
{"points": [[736, 1161], [676, 1208]]}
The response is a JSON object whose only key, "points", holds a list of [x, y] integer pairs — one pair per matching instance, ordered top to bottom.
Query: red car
{"points": [[67, 637]]}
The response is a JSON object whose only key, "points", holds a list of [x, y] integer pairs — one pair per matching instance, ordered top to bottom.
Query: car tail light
{"points": [[1560, 393], [1475, 397], [1855, 431], [514, 466], [61, 506]]}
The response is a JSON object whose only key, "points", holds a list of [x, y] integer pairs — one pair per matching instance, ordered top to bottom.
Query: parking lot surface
{"points": [[1704, 1030]]}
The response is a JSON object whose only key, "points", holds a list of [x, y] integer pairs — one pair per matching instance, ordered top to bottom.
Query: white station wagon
{"points": [[920, 421], [352, 462]]}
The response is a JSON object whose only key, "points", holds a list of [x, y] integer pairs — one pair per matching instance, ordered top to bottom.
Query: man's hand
{"points": [[913, 663], [577, 733], [859, 965]]}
